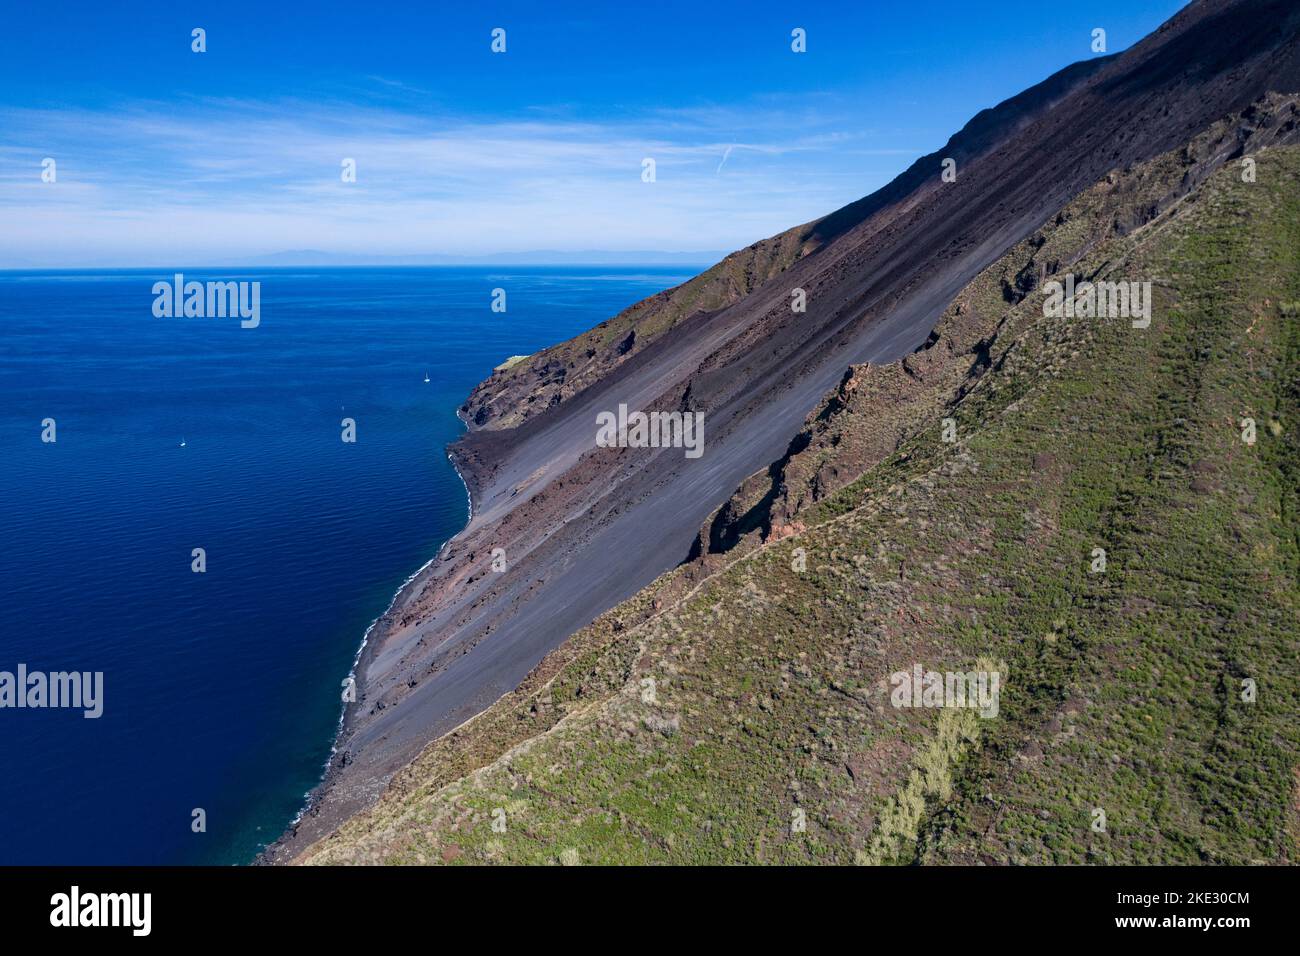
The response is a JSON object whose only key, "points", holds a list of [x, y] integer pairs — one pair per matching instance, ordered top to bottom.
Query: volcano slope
{"points": [[582, 528], [739, 709]]}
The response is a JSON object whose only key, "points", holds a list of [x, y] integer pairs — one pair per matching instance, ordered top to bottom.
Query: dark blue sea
{"points": [[222, 689]]}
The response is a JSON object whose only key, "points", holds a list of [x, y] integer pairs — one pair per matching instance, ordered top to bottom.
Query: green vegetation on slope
{"points": [[747, 718]]}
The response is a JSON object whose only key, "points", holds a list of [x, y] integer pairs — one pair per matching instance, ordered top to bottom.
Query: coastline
{"points": [[370, 640]]}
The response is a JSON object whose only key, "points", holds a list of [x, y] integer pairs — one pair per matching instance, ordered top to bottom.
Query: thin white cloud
{"points": [[725, 156], [215, 179]]}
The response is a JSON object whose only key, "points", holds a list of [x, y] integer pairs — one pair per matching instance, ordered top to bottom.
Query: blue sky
{"points": [[168, 156]]}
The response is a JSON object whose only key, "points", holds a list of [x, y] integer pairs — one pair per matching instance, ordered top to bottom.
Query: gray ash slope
{"points": [[585, 528]]}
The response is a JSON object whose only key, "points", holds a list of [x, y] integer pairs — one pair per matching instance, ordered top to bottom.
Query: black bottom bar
{"points": [[382, 906]]}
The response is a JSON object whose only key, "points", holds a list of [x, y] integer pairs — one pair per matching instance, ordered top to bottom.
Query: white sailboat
{"points": [[426, 378]]}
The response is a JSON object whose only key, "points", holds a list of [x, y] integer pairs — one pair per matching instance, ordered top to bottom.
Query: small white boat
{"points": [[426, 378], [182, 442]]}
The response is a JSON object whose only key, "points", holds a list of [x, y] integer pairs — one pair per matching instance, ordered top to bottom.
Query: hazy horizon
{"points": [[295, 258]]}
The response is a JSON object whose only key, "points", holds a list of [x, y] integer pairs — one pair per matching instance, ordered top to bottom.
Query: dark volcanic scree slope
{"points": [[583, 528]]}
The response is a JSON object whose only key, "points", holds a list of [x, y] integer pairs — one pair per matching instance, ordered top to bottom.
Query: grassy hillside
{"points": [[739, 697]]}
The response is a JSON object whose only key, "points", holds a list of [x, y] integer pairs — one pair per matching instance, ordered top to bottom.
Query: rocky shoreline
{"points": [[319, 815]]}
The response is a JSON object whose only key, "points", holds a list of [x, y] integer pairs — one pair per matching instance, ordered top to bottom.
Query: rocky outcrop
{"points": [[514, 395], [875, 408]]}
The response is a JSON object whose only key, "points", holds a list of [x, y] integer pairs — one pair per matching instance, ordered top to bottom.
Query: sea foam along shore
{"points": [[312, 795]]}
